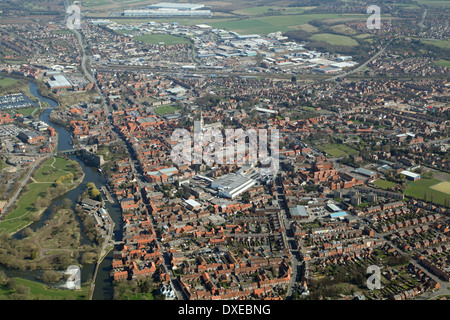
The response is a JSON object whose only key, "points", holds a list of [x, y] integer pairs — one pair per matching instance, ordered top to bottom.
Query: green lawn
{"points": [[165, 39], [334, 39], [443, 63], [5, 82], [162, 111], [338, 150], [49, 173], [384, 184], [418, 189], [19, 218], [42, 291]]}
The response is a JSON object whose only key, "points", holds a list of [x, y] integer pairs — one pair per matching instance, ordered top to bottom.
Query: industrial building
{"points": [[167, 9], [59, 82], [410, 175], [232, 185], [299, 212]]}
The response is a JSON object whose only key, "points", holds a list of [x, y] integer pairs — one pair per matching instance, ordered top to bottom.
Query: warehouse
{"points": [[167, 9], [59, 82], [411, 175], [232, 185]]}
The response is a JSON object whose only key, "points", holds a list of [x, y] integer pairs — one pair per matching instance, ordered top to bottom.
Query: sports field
{"points": [[162, 111], [337, 150], [384, 184], [442, 187], [425, 189]]}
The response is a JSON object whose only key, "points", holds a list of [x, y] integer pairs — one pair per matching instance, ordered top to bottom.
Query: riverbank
{"points": [[103, 287]]}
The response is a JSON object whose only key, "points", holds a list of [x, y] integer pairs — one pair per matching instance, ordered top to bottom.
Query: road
{"points": [[421, 23], [362, 66], [289, 240]]}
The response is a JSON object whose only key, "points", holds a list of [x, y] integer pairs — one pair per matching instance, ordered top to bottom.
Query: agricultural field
{"points": [[433, 3], [255, 11], [269, 24], [257, 25], [334, 39], [444, 44], [443, 63]]}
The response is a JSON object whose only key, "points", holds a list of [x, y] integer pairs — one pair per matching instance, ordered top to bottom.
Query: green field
{"points": [[94, 3], [433, 3], [255, 11], [274, 23], [257, 25], [165, 39], [334, 39], [445, 44], [443, 63], [5, 82], [162, 111], [337, 150], [52, 170], [384, 184], [442, 187], [422, 188], [19, 218], [43, 292]]}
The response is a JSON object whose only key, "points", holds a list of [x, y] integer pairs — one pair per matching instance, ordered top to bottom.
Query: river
{"points": [[103, 283]]}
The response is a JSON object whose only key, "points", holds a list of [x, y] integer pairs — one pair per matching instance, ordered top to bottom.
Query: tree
{"points": [[50, 276], [3, 278]]}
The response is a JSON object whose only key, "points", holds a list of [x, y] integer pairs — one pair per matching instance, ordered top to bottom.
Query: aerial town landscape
{"points": [[239, 150]]}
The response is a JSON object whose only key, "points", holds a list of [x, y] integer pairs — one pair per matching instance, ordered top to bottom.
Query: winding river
{"points": [[103, 283]]}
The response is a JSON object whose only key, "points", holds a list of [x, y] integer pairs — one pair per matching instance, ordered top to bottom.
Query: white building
{"points": [[232, 185]]}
